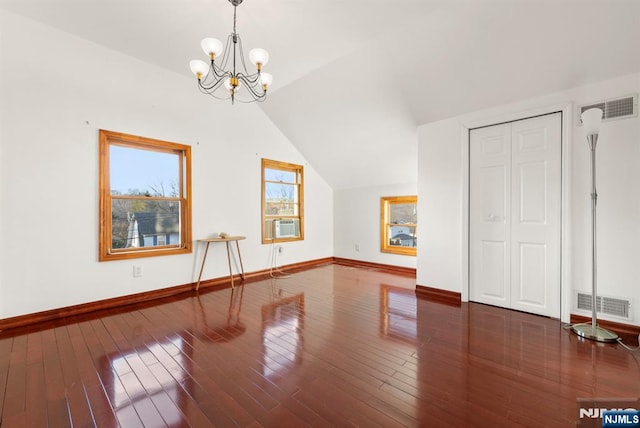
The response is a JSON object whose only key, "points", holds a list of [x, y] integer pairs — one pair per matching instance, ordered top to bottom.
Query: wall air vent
{"points": [[618, 108], [605, 305]]}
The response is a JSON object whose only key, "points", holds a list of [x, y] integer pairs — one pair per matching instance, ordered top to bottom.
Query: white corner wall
{"points": [[53, 102], [441, 170], [440, 205], [357, 222]]}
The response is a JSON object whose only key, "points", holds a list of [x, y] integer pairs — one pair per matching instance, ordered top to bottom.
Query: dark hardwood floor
{"points": [[331, 346]]}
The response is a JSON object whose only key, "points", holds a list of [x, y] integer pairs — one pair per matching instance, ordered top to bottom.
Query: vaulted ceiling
{"points": [[354, 79]]}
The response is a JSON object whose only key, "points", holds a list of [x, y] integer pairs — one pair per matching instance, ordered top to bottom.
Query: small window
{"points": [[282, 202], [145, 205], [398, 224]]}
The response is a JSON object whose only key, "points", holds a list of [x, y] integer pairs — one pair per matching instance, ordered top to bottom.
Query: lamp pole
{"points": [[591, 120], [592, 140]]}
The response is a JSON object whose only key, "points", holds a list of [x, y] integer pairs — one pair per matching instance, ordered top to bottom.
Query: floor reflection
{"points": [[398, 317], [220, 327], [282, 328], [331, 346], [509, 363], [141, 380]]}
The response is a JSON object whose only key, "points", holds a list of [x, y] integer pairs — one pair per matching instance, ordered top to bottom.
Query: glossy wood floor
{"points": [[332, 346]]}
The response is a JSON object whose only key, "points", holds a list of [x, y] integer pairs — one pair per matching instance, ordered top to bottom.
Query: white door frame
{"points": [[565, 263]]}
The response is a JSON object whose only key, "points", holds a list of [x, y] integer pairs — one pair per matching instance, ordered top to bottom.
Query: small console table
{"points": [[226, 240]]}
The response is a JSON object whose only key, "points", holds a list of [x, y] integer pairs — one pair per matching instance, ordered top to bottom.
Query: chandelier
{"points": [[228, 77]]}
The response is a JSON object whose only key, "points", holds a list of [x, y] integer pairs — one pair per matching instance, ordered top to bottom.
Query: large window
{"points": [[145, 197], [282, 202], [398, 224]]}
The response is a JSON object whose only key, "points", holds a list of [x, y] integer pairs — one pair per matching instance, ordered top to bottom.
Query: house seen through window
{"points": [[144, 197], [282, 202], [399, 224]]}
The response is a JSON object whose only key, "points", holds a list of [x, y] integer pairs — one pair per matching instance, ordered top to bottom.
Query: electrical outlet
{"points": [[357, 247], [137, 271]]}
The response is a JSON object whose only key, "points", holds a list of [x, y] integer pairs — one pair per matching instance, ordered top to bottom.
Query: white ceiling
{"points": [[354, 79]]}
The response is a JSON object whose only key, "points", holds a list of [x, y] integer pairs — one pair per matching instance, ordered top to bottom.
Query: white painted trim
{"points": [[513, 116], [464, 245], [565, 264], [566, 280]]}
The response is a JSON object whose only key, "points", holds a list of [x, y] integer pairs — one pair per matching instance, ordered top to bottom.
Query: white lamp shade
{"points": [[212, 46], [258, 56], [198, 66], [266, 79], [591, 120]]}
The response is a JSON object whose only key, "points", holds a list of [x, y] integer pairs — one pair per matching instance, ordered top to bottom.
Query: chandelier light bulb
{"points": [[212, 47], [259, 57], [199, 68], [266, 79]]}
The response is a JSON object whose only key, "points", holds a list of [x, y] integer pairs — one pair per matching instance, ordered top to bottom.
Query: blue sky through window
{"points": [[131, 169], [279, 175]]}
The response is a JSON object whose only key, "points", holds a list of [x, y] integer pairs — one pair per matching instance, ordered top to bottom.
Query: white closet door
{"points": [[489, 211], [536, 213], [515, 256]]}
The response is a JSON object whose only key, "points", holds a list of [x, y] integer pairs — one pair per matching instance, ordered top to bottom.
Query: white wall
{"points": [[56, 95], [2, 182], [441, 205], [357, 221]]}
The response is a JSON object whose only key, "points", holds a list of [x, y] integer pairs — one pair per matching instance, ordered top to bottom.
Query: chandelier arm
{"points": [[226, 55], [244, 66], [216, 71], [213, 78], [251, 79], [248, 82], [211, 87], [252, 89], [215, 94], [243, 98], [253, 98]]}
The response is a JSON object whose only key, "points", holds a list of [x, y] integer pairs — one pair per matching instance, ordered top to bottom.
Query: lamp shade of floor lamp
{"points": [[591, 122]]}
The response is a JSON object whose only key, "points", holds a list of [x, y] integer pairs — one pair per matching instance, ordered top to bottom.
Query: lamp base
{"points": [[599, 334]]}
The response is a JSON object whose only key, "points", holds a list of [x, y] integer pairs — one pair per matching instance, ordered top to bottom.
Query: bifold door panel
{"points": [[515, 215]]}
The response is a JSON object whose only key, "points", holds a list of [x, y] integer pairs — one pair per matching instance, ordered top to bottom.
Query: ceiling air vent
{"points": [[618, 108]]}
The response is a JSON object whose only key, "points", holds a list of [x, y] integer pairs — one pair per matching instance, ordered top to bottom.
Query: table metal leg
{"points": [[204, 258], [240, 258], [229, 260]]}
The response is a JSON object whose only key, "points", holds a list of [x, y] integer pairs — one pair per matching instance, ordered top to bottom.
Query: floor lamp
{"points": [[591, 121]]}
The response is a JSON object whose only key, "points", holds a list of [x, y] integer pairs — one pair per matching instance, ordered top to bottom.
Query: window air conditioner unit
{"points": [[285, 228]]}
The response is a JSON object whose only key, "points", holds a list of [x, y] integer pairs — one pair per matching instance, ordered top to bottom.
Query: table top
{"points": [[219, 239]]}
